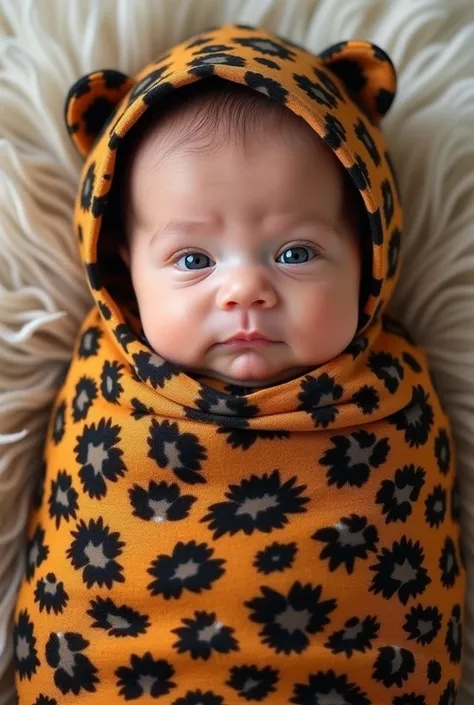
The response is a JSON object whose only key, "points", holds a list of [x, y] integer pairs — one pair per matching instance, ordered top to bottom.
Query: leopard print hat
{"points": [[342, 94]]}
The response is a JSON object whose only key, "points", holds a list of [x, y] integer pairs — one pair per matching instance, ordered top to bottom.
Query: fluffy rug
{"points": [[46, 44]]}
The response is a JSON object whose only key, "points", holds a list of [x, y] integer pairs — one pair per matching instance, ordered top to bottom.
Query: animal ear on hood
{"points": [[367, 73], [90, 104]]}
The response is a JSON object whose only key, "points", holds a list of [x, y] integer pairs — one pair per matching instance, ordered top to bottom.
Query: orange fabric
{"points": [[193, 542]]}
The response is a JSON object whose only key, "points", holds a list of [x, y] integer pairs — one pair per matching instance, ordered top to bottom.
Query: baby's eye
{"points": [[296, 255], [194, 260]]}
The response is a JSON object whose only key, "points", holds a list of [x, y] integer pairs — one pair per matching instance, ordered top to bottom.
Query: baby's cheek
{"points": [[323, 313], [328, 321], [165, 322], [170, 324]]}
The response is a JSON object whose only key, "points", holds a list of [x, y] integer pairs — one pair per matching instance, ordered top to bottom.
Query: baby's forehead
{"points": [[213, 120], [173, 148]]}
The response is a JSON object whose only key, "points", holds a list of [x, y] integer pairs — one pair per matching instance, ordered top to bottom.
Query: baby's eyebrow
{"points": [[305, 218], [189, 227], [195, 227]]}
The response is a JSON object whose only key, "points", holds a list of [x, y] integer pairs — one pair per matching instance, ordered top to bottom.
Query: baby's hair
{"points": [[204, 117]]}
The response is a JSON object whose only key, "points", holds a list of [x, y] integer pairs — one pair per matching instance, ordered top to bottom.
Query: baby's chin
{"points": [[249, 368], [259, 383]]}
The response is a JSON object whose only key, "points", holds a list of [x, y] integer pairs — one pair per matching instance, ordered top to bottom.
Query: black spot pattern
{"points": [[267, 47], [146, 83], [271, 88], [316, 91], [335, 131], [367, 140], [88, 188], [394, 247], [89, 343], [110, 381], [86, 392], [318, 396], [416, 419], [179, 452], [100, 456], [352, 458], [397, 496], [63, 498], [160, 502], [257, 504], [350, 539], [94, 549], [190, 567], [399, 571], [51, 595], [117, 621], [423, 624], [284, 629], [203, 636], [356, 636], [24, 642], [393, 666], [73, 670], [145, 675], [250, 682], [327, 686]]}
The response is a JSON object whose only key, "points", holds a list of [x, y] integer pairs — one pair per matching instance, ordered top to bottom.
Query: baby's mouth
{"points": [[249, 338], [254, 343]]}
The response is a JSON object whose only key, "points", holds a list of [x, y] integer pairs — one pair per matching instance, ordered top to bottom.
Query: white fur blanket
{"points": [[46, 44]]}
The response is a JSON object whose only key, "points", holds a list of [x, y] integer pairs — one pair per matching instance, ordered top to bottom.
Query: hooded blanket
{"points": [[193, 542]]}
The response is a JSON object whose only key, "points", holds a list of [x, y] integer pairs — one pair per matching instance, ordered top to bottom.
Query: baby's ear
{"points": [[367, 73], [90, 104], [124, 253]]}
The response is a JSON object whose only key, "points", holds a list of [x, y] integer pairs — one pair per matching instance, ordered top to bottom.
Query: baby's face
{"points": [[233, 242]]}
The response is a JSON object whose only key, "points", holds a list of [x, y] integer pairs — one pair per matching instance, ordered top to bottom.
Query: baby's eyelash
{"points": [[303, 243], [186, 251]]}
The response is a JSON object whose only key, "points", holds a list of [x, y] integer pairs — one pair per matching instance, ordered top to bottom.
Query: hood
{"points": [[342, 94]]}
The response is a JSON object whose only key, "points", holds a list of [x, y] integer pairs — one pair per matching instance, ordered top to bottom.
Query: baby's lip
{"points": [[248, 336]]}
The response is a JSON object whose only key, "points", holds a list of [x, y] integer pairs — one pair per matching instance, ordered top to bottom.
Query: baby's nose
{"points": [[247, 287]]}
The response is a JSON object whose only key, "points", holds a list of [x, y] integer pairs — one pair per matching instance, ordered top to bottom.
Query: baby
{"points": [[240, 223], [249, 482]]}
